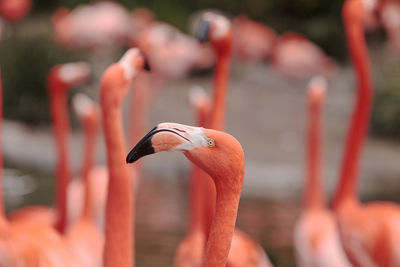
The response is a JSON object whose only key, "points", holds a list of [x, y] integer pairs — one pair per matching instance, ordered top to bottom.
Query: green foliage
{"points": [[25, 64], [385, 121]]}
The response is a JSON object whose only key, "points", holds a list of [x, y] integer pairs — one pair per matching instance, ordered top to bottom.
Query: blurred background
{"points": [[266, 112]]}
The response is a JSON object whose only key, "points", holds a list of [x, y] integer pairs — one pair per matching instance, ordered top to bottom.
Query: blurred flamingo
{"points": [[13, 10], [389, 11], [96, 25], [253, 41], [163, 44], [297, 57], [60, 79], [116, 80], [221, 156], [369, 232], [84, 237], [316, 238], [27, 244], [190, 250], [244, 251]]}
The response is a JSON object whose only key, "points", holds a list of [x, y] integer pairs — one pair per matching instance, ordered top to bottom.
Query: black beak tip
{"points": [[203, 31], [147, 65], [143, 148], [131, 158]]}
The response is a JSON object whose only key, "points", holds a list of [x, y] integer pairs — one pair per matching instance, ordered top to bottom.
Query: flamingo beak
{"points": [[203, 31], [146, 65], [164, 137]]}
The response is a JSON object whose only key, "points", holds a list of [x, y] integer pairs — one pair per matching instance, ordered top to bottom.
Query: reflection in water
{"points": [[162, 215]]}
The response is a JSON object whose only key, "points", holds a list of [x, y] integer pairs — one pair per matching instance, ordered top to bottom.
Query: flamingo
{"points": [[13, 10], [389, 11], [92, 26], [217, 29], [253, 41], [297, 57], [60, 79], [221, 156], [369, 232], [119, 233], [84, 237], [316, 238], [27, 244], [190, 250]]}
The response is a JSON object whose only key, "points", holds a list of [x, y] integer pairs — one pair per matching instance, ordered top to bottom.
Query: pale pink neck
{"points": [[61, 130], [90, 132], [347, 189], [313, 196], [196, 200], [3, 220], [223, 225], [119, 245]]}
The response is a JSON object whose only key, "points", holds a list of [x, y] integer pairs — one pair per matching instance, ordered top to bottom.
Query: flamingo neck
{"points": [[221, 79], [61, 130], [347, 189], [313, 195], [196, 200], [88, 212], [3, 220], [223, 225], [119, 245]]}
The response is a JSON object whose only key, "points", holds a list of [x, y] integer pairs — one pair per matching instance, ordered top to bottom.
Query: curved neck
{"points": [[221, 79], [61, 130], [90, 132], [347, 189], [313, 196], [3, 220], [223, 225], [119, 244]]}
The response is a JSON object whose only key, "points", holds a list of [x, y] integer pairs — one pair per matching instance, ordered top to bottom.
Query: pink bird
{"points": [[13, 10], [390, 18], [92, 26], [253, 41], [297, 57], [60, 79], [370, 232], [84, 237], [316, 237]]}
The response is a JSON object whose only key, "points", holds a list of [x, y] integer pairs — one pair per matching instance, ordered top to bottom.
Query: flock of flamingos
{"points": [[349, 233]]}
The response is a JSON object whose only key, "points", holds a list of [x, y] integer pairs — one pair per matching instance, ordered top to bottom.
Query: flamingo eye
{"points": [[210, 142]]}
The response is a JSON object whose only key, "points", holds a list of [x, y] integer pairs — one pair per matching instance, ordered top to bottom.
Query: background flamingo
{"points": [[13, 10], [253, 41], [297, 57], [60, 79], [369, 232], [85, 237], [316, 238], [119, 242]]}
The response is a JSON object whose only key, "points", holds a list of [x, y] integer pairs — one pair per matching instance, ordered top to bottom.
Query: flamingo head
{"points": [[360, 11], [216, 29], [71, 74], [117, 79], [317, 89], [86, 110], [216, 152]]}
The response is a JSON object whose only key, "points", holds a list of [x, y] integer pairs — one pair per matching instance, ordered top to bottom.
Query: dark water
{"points": [[162, 215]]}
